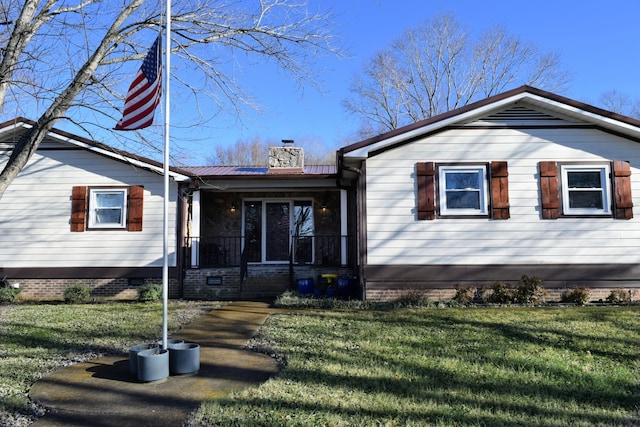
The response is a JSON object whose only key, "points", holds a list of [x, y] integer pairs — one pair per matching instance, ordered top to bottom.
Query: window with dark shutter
{"points": [[425, 173], [463, 189], [586, 189], [499, 190], [106, 212]]}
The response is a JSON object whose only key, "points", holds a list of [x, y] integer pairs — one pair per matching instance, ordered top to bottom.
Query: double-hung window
{"points": [[463, 189], [586, 189], [108, 208]]}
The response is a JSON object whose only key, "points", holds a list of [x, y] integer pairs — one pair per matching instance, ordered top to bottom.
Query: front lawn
{"points": [[36, 339], [445, 367]]}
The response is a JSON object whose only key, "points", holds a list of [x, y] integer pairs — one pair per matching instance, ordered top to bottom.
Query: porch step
{"points": [[264, 288]]}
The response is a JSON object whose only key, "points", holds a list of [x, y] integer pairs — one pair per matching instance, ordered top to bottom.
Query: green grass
{"points": [[36, 339], [363, 367], [445, 367]]}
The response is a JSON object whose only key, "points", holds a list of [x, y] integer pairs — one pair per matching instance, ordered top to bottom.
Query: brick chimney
{"points": [[286, 159]]}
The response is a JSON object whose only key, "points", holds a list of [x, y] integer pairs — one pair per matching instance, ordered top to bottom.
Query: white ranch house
{"points": [[523, 183]]}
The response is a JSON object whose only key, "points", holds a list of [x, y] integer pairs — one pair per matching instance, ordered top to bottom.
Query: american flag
{"points": [[144, 93]]}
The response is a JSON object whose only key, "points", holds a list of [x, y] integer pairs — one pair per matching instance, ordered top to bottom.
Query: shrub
{"points": [[529, 290], [150, 292], [502, 293], [76, 294], [8, 295], [464, 295], [483, 295], [577, 295], [619, 296], [412, 298]]}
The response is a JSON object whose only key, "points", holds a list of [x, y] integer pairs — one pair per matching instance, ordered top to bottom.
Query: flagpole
{"points": [[165, 239]]}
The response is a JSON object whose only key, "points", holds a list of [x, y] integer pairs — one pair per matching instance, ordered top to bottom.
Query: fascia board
{"points": [[587, 116]]}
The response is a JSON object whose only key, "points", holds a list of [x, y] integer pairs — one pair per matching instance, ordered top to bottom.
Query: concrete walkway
{"points": [[103, 393]]}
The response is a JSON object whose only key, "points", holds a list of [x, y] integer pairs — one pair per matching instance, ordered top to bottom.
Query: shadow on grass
{"points": [[465, 367]]}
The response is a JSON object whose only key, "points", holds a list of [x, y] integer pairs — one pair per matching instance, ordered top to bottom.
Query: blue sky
{"points": [[596, 40]]}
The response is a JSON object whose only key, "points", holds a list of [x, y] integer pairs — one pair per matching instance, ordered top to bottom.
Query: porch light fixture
{"points": [[232, 209], [324, 209]]}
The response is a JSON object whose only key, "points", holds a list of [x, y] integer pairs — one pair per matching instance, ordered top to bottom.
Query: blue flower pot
{"points": [[305, 287], [133, 356], [184, 358], [153, 364]]}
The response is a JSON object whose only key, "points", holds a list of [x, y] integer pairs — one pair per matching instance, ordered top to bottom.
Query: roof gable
{"points": [[525, 106], [522, 114], [11, 130]]}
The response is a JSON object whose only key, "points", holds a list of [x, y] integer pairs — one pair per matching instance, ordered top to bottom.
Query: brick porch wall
{"points": [[262, 281], [195, 285]]}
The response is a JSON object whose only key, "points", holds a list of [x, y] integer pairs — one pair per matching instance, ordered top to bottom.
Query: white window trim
{"points": [[605, 173], [483, 190], [92, 208]]}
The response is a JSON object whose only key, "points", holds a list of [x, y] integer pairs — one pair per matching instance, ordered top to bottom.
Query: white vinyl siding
{"points": [[35, 215], [395, 236]]}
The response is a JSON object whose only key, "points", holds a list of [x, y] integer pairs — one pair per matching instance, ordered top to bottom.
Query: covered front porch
{"points": [[253, 238]]}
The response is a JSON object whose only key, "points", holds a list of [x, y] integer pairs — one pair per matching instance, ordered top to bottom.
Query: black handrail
{"points": [[244, 267], [291, 278]]}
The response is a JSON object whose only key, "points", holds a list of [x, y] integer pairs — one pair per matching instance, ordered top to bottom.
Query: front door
{"points": [[268, 228]]}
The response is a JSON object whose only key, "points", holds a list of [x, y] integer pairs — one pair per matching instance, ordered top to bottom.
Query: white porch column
{"points": [[343, 227], [195, 228]]}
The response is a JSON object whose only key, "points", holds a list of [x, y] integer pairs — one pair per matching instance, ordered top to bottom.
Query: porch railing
{"points": [[324, 250], [218, 251], [226, 251]]}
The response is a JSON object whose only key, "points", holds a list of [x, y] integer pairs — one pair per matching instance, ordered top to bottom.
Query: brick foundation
{"points": [[114, 288], [553, 294]]}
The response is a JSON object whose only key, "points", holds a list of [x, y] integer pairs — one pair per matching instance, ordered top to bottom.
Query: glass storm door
{"points": [[277, 227], [253, 231], [303, 232]]}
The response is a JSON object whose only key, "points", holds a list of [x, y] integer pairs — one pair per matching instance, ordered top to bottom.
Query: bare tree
{"points": [[67, 58], [437, 67], [620, 103], [251, 152], [255, 152]]}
